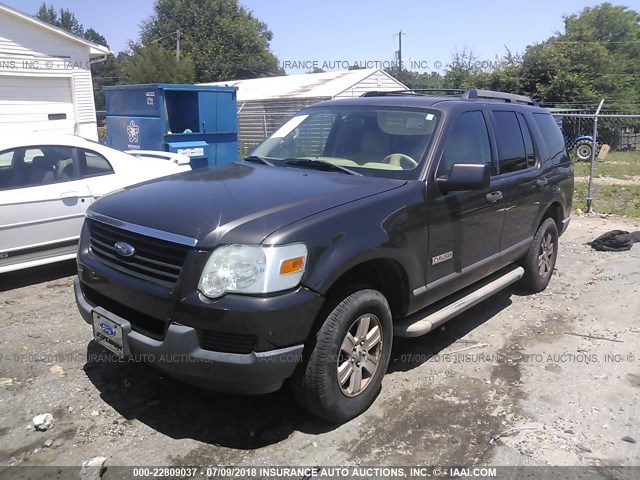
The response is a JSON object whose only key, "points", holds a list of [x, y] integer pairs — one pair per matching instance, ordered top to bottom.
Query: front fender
{"points": [[391, 225]]}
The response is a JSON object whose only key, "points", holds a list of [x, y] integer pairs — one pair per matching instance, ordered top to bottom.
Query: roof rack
{"points": [[415, 91], [376, 93], [466, 94], [474, 94]]}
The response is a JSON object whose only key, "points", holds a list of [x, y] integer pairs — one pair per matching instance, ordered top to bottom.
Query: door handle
{"points": [[542, 182], [69, 195], [494, 197]]}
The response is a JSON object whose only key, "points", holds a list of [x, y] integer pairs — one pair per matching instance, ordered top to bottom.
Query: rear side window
{"points": [[552, 136], [467, 142], [528, 142], [512, 154], [6, 159], [94, 164]]}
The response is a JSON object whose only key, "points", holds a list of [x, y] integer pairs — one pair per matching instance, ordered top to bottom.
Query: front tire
{"points": [[541, 258], [342, 372]]}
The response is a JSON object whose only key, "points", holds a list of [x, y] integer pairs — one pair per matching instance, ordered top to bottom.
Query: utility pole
{"points": [[177, 33], [400, 33], [178, 46], [594, 146]]}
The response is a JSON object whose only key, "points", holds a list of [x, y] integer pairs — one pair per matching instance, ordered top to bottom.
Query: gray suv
{"points": [[358, 220]]}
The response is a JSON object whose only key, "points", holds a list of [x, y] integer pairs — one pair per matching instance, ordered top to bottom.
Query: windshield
{"points": [[371, 141]]}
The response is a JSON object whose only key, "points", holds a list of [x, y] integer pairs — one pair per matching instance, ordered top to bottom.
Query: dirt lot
{"points": [[562, 367]]}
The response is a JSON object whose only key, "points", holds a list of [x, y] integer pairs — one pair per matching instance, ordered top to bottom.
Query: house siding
{"points": [[30, 52]]}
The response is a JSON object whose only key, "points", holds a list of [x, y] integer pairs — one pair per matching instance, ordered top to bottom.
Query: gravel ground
{"points": [[546, 379]]}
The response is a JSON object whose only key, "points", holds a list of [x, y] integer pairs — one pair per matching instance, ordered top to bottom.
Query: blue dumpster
{"points": [[198, 121]]}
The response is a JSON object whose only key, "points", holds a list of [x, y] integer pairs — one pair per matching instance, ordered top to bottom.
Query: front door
{"points": [[42, 204], [464, 226]]}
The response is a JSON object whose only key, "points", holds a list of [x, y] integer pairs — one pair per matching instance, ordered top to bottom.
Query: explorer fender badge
{"points": [[443, 257]]}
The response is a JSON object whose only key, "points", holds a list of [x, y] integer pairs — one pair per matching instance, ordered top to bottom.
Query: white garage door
{"points": [[36, 104]]}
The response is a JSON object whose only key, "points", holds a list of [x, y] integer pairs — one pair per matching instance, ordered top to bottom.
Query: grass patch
{"points": [[617, 165], [614, 199]]}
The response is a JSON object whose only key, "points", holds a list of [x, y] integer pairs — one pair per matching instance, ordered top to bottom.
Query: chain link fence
{"points": [[604, 141]]}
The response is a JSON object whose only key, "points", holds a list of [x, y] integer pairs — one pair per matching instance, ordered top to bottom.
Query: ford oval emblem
{"points": [[124, 249], [107, 329]]}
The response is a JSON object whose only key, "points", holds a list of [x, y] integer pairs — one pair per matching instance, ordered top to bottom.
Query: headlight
{"points": [[253, 269]]}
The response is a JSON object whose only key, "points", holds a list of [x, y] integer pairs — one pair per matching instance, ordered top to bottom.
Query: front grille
{"points": [[155, 260], [140, 322], [226, 342]]}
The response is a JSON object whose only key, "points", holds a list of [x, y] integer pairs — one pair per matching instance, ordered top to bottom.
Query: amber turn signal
{"points": [[291, 265]]}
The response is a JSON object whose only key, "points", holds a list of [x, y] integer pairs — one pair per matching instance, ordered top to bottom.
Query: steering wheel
{"points": [[397, 158]]}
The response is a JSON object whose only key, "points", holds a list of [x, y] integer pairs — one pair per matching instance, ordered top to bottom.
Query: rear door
{"points": [[98, 173], [105, 173], [523, 185], [42, 204]]}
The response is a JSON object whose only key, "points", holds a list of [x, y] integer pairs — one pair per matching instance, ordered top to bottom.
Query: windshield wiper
{"points": [[257, 159], [320, 165]]}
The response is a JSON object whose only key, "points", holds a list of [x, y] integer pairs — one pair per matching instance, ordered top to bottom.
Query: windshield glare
{"points": [[381, 142]]}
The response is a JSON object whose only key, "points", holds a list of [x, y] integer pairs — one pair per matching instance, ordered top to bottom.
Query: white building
{"points": [[45, 77], [266, 103]]}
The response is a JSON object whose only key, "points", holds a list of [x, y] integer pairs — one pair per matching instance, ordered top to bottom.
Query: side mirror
{"points": [[465, 176]]}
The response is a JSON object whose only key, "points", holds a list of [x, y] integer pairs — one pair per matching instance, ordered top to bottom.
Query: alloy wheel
{"points": [[545, 258], [359, 355]]}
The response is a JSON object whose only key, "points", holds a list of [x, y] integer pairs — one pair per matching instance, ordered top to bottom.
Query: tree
{"points": [[48, 14], [65, 19], [224, 40], [597, 56], [154, 64], [316, 70], [466, 70], [103, 73], [506, 76], [415, 80]]}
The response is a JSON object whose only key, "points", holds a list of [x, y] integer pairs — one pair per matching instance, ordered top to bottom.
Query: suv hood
{"points": [[237, 203]]}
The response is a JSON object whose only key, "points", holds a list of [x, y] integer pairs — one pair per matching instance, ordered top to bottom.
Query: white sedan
{"points": [[48, 181]]}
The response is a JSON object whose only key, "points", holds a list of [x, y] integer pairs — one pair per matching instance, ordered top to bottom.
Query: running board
{"points": [[418, 324]]}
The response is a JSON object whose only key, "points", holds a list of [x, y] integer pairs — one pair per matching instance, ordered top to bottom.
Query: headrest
{"points": [[43, 163]]}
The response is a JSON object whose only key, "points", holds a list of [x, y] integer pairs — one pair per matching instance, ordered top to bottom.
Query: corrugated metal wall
{"points": [[257, 119]]}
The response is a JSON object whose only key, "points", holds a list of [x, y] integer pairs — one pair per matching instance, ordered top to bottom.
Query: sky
{"points": [[333, 34]]}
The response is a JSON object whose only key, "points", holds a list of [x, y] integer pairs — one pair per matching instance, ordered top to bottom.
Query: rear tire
{"points": [[584, 149], [541, 258], [341, 374]]}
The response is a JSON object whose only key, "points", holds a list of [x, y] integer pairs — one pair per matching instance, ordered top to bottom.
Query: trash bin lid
{"points": [[192, 149]]}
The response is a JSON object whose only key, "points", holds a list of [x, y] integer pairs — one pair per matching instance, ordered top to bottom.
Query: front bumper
{"points": [[179, 355]]}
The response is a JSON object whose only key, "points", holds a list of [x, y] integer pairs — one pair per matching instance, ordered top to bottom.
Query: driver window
{"points": [[467, 142], [36, 166]]}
